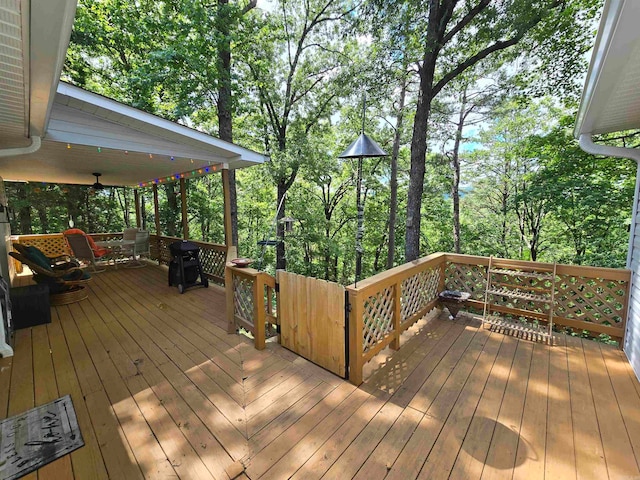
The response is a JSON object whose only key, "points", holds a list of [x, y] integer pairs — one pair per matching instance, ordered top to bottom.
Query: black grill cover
{"points": [[179, 248]]}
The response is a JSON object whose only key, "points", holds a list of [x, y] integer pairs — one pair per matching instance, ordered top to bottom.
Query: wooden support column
{"points": [[136, 198], [183, 198], [156, 209], [156, 217], [228, 239]]}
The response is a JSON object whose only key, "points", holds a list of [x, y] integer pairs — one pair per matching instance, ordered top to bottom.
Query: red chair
{"points": [[97, 251]]}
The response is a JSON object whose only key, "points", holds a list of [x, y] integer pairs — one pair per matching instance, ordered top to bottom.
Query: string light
{"points": [[68, 145], [99, 149], [126, 152], [150, 155], [172, 158], [191, 160], [206, 169], [200, 170]]}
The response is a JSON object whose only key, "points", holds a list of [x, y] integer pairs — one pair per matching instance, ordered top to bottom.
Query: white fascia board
{"points": [[51, 22], [606, 29], [117, 108]]}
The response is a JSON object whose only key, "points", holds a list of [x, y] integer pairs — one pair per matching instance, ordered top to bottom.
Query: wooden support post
{"points": [[136, 198], [183, 198], [156, 209], [228, 239], [228, 284], [258, 312], [397, 316], [355, 339]]}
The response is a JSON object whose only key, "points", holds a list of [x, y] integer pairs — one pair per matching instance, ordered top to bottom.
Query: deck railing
{"points": [[212, 256], [250, 301], [383, 306]]}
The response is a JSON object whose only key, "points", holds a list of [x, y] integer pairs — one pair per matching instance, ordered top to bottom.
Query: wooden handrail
{"points": [[595, 291]]}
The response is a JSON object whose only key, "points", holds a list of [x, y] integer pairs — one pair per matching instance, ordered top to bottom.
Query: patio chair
{"points": [[139, 248], [81, 249], [97, 251], [65, 286]]}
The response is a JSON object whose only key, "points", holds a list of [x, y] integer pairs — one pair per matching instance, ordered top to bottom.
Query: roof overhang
{"points": [[34, 36], [611, 96], [83, 132], [90, 133]]}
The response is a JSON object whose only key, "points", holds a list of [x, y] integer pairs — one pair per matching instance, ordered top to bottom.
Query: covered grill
{"points": [[185, 269]]}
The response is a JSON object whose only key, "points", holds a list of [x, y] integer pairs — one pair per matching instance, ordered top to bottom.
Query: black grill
{"points": [[185, 269]]}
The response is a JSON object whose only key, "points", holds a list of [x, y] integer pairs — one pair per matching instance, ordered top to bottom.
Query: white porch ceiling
{"points": [[611, 95], [90, 133]]}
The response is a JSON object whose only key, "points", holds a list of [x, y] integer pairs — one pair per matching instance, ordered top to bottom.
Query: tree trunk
{"points": [[225, 106], [418, 156], [455, 160], [393, 182], [172, 202], [24, 214], [44, 219], [281, 261]]}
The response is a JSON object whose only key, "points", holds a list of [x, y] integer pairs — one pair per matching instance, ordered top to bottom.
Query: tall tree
{"points": [[226, 21], [458, 35], [298, 88]]}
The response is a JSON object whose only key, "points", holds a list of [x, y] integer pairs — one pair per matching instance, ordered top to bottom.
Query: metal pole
{"points": [[360, 231]]}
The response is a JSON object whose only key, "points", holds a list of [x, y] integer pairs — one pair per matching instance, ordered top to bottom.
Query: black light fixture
{"points": [[363, 146], [97, 185]]}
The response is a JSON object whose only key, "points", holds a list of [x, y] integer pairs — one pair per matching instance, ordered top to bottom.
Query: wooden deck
{"points": [[160, 390]]}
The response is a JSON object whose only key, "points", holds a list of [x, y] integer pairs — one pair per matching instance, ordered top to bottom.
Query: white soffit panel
{"points": [[611, 96], [13, 101]]}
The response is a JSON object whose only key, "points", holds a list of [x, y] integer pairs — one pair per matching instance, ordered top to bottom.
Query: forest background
{"points": [[473, 100]]}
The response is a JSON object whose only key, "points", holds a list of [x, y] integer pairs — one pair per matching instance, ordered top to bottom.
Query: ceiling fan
{"points": [[97, 185]]}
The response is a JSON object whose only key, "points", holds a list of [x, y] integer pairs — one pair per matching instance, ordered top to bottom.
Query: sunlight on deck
{"points": [[162, 390]]}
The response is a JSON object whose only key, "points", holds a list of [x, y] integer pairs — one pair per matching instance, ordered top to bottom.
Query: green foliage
{"points": [[297, 78]]}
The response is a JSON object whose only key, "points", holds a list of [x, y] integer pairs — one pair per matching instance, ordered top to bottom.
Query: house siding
{"points": [[632, 336]]}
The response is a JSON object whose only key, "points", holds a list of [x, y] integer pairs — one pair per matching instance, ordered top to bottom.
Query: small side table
{"points": [[453, 300], [30, 306]]}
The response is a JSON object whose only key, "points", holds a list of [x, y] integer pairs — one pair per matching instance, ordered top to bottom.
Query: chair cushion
{"points": [[36, 256]]}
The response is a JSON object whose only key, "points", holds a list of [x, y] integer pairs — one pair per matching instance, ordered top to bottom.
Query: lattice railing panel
{"points": [[50, 245], [212, 256], [213, 261], [466, 278], [418, 290], [243, 298], [590, 299], [377, 317]]}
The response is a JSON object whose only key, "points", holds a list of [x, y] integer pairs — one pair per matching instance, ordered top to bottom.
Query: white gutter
{"points": [[586, 144], [34, 147]]}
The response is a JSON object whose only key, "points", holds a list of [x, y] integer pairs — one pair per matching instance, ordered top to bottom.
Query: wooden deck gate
{"points": [[312, 320]]}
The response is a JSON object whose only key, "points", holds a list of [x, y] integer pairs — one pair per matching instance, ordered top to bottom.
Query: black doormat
{"points": [[39, 436]]}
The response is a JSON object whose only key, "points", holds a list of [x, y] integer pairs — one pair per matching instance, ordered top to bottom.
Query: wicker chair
{"points": [[62, 262], [65, 286]]}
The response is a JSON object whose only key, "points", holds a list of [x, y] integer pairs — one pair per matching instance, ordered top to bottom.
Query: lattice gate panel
{"points": [[418, 290], [243, 299], [377, 318]]}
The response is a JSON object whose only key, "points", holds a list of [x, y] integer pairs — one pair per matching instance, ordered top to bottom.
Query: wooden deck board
{"points": [[161, 390]]}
